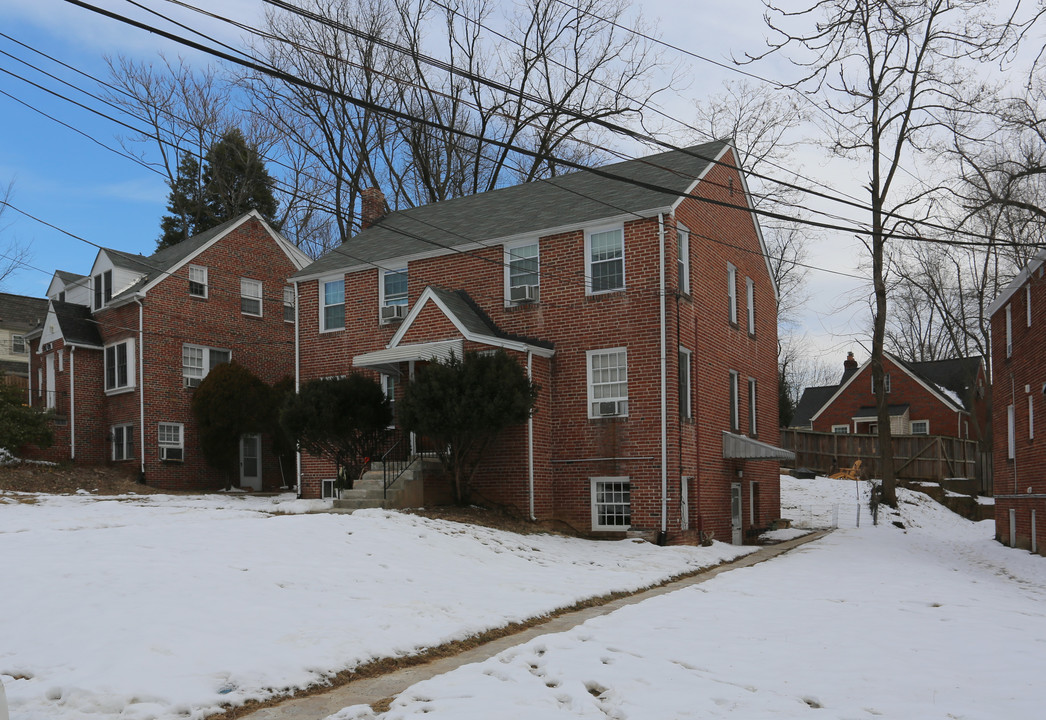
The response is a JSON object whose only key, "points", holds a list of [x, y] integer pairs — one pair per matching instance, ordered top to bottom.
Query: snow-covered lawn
{"points": [[162, 607], [936, 620]]}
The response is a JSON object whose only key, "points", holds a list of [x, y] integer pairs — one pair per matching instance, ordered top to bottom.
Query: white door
{"points": [[49, 389], [250, 462], [735, 513]]}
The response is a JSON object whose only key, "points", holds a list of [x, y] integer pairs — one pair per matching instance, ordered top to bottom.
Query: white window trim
{"points": [[589, 232], [683, 243], [508, 248], [382, 274], [205, 283], [245, 285], [731, 292], [750, 293], [100, 298], [322, 299], [288, 302], [1027, 302], [1009, 331], [19, 339], [206, 358], [61, 360], [131, 367], [886, 382], [591, 388], [752, 390], [735, 401], [686, 411], [1031, 417], [924, 423], [841, 429], [1011, 433], [181, 438], [128, 451], [593, 485]]}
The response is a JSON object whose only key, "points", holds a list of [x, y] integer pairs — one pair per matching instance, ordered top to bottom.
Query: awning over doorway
{"points": [[387, 361], [745, 448]]}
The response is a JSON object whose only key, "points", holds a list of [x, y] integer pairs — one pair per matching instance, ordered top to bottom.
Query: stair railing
{"points": [[395, 459]]}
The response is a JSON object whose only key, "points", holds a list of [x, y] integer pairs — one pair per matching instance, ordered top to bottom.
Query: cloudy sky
{"points": [[64, 175]]}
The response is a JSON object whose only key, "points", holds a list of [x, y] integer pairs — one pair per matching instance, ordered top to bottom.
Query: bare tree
{"points": [[884, 71], [13, 254]]}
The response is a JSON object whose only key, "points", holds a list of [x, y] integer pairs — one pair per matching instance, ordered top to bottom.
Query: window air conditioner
{"points": [[524, 293], [391, 313], [191, 382], [610, 408], [172, 453]]}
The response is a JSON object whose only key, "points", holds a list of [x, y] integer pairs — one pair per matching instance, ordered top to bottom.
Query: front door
{"points": [[51, 396], [250, 462], [735, 513]]}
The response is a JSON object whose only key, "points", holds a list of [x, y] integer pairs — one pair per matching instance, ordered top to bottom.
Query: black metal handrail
{"points": [[395, 458]]}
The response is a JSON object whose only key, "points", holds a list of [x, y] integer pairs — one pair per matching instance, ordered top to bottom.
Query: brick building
{"points": [[638, 298], [19, 315], [1018, 316], [122, 348], [938, 397]]}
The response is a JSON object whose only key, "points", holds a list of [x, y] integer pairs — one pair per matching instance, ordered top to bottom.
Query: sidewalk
{"points": [[375, 689]]}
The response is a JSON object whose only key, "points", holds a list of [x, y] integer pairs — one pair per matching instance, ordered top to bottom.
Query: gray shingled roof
{"points": [[573, 199], [68, 277], [19, 312], [475, 321], [78, 326], [957, 375], [812, 400]]}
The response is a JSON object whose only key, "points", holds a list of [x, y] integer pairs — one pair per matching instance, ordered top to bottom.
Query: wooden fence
{"points": [[915, 457]]}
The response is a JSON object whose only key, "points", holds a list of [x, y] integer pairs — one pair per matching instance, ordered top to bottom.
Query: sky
{"points": [[68, 179]]}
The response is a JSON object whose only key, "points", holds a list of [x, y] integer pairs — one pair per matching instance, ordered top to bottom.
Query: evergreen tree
{"points": [[185, 204], [230, 402]]}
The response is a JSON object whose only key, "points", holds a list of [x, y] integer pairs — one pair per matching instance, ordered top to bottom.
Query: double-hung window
{"points": [[683, 254], [606, 260], [522, 264], [197, 281], [394, 287], [103, 289], [731, 292], [251, 297], [750, 298], [1027, 303], [288, 304], [332, 304], [18, 344], [198, 360], [119, 365], [607, 383], [886, 383], [685, 407], [751, 407], [735, 421], [1011, 433], [171, 439], [123, 442], [611, 503]]}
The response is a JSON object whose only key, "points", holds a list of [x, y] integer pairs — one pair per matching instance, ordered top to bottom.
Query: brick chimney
{"points": [[373, 207], [849, 363]]}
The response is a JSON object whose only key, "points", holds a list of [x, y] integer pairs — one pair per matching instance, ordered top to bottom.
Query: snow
{"points": [[170, 606], [935, 620]]}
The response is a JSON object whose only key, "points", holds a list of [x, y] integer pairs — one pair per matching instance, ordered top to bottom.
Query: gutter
{"points": [[664, 380], [297, 381], [530, 441]]}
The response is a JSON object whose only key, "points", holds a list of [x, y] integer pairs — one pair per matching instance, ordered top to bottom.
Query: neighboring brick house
{"points": [[19, 315], [647, 317], [1018, 320], [122, 349], [938, 397]]}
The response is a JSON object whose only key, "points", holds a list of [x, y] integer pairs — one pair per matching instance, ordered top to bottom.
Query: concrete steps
{"points": [[368, 491]]}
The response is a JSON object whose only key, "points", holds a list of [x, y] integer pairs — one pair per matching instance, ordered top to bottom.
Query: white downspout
{"points": [[141, 381], [297, 382], [664, 398], [72, 404], [530, 439]]}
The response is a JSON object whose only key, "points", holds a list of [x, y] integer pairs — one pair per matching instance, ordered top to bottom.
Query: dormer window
{"points": [[103, 289]]}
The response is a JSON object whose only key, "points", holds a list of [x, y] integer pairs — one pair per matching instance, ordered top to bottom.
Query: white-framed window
{"points": [[683, 254], [605, 260], [522, 271], [197, 281], [394, 287], [103, 289], [731, 292], [251, 297], [750, 299], [1027, 303], [288, 304], [332, 304], [1009, 331], [18, 345], [61, 360], [198, 360], [119, 365], [607, 382], [886, 383], [388, 385], [685, 392], [751, 407], [1031, 417], [735, 421], [920, 427], [841, 429], [1011, 433], [171, 439], [122, 441], [611, 503]]}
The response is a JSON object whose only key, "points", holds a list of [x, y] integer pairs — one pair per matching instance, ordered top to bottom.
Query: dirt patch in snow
{"points": [[68, 479]]}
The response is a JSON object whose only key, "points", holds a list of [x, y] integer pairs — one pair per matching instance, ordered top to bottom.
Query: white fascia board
{"points": [[1022, 277], [839, 392]]}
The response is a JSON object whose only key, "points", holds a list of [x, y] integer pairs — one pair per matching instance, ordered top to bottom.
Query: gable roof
{"points": [[539, 207], [1036, 263], [20, 312], [73, 323], [812, 400]]}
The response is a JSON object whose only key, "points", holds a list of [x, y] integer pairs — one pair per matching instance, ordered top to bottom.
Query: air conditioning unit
{"points": [[524, 293], [393, 313], [191, 382], [611, 408], [172, 454]]}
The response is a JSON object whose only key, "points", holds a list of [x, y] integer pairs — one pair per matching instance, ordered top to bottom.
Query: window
{"points": [[683, 253], [606, 260], [523, 268], [197, 281], [750, 284], [394, 287], [103, 289], [731, 292], [251, 297], [1027, 303], [288, 304], [332, 304], [1009, 331], [18, 344], [198, 360], [119, 366], [607, 383], [886, 383], [388, 384], [751, 406], [685, 408], [1031, 417], [735, 422], [920, 427], [841, 429], [170, 438], [1011, 440], [123, 442], [611, 503]]}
